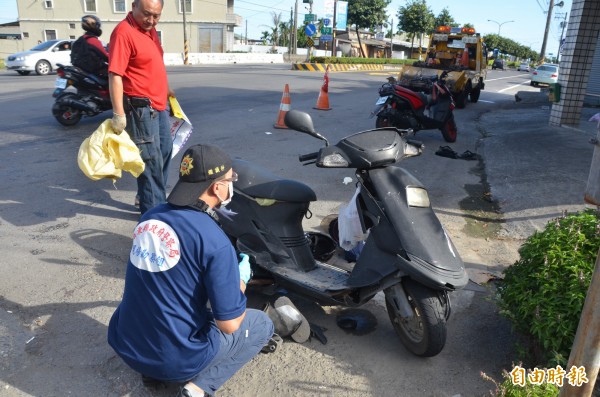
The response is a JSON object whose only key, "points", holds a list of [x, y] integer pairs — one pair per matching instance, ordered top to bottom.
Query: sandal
{"points": [[446, 151], [469, 155]]}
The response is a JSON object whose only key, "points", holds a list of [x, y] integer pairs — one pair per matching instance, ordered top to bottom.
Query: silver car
{"points": [[42, 59], [523, 66], [544, 74]]}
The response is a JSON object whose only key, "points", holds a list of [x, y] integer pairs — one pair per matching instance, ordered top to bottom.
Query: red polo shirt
{"points": [[136, 56]]}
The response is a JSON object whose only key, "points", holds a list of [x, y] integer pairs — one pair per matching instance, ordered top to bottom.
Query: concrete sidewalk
{"points": [[535, 171]]}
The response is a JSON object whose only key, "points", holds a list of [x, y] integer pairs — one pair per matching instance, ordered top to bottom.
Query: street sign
{"points": [[310, 17], [326, 21], [310, 29], [326, 30], [326, 37], [310, 42]]}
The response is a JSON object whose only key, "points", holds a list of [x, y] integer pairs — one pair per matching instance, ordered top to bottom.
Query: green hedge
{"points": [[363, 61], [543, 292]]}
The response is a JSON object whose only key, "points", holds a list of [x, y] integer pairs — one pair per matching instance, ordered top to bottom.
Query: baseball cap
{"points": [[200, 166]]}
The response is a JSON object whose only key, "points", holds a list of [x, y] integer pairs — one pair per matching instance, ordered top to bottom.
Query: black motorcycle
{"points": [[90, 96], [428, 109], [407, 255]]}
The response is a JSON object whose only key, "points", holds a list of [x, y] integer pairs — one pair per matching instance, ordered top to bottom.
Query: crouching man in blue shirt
{"points": [[183, 316]]}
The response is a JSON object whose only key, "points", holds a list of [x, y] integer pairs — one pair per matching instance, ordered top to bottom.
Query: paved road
{"points": [[66, 238]]}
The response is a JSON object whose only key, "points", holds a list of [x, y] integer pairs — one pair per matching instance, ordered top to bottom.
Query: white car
{"points": [[42, 59], [523, 67], [544, 74]]}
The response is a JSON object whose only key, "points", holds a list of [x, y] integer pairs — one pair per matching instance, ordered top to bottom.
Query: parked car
{"points": [[42, 59], [498, 64], [523, 67], [544, 74]]}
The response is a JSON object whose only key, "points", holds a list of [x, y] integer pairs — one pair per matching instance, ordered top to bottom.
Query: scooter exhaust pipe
{"points": [[78, 105]]}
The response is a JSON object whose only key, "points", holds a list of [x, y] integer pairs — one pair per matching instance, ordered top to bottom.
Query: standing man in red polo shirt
{"points": [[139, 91]]}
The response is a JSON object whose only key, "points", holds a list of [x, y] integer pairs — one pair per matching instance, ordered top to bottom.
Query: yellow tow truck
{"points": [[461, 52]]}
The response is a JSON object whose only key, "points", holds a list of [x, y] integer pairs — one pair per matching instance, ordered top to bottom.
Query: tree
{"points": [[366, 14], [415, 18], [445, 19], [275, 33]]}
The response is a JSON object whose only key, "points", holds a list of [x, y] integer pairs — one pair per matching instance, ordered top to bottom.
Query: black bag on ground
{"points": [[88, 57]]}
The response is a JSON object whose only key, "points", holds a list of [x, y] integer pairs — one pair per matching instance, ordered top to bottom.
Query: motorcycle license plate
{"points": [[60, 83], [381, 100]]}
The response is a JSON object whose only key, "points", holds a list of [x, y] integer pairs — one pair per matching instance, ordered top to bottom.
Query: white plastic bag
{"points": [[181, 128], [349, 227]]}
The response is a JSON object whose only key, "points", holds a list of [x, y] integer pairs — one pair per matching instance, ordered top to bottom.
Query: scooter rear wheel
{"points": [[64, 114], [382, 122], [449, 130], [423, 334]]}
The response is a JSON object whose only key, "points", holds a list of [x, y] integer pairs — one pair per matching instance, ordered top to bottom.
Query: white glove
{"points": [[119, 122]]}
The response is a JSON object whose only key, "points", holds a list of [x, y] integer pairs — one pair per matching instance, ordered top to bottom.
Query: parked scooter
{"points": [[91, 95], [403, 108], [408, 255]]}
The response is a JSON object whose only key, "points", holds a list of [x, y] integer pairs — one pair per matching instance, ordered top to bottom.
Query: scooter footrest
{"points": [[323, 277]]}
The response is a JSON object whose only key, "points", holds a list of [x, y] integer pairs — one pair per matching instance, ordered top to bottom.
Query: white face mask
{"points": [[228, 200]]}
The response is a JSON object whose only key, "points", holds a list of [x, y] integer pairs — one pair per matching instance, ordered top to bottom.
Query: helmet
{"points": [[91, 24]]}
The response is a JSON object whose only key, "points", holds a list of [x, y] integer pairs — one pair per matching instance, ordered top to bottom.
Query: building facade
{"points": [[209, 24]]}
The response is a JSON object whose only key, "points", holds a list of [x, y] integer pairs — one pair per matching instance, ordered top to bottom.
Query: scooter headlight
{"points": [[334, 160], [417, 197]]}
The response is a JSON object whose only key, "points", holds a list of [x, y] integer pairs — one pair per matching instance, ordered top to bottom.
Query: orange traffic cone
{"points": [[464, 61], [323, 100], [284, 107]]}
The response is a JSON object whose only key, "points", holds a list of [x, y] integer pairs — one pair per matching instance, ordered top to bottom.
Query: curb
{"points": [[322, 67]]}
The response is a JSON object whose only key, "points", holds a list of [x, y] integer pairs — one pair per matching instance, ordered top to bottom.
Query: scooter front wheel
{"points": [[449, 130], [424, 333]]}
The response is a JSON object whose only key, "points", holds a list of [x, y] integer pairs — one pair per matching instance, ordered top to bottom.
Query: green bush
{"points": [[543, 292], [507, 388]]}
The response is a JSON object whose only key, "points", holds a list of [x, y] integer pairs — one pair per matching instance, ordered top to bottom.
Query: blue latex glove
{"points": [[245, 271]]}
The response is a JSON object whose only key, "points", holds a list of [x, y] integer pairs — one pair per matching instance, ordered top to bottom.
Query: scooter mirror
{"points": [[301, 121]]}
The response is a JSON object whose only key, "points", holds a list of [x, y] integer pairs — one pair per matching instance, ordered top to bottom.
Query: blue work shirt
{"points": [[181, 261]]}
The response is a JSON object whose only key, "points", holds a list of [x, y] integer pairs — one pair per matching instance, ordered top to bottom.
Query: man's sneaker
{"points": [[184, 392]]}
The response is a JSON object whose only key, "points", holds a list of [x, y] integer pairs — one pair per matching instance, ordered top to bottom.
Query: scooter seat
{"points": [[258, 182]]}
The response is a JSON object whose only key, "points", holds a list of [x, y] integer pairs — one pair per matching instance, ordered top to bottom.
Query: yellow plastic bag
{"points": [[105, 154]]}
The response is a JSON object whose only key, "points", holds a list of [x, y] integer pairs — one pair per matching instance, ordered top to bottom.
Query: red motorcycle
{"points": [[90, 97], [402, 108]]}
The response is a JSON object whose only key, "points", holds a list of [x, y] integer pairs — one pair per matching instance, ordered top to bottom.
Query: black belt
{"points": [[136, 101]]}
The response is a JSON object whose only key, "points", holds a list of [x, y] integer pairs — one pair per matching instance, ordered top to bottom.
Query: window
{"points": [[48, 4], [90, 5], [119, 6], [188, 6], [71, 26], [50, 34], [26, 35], [160, 36], [72, 37]]}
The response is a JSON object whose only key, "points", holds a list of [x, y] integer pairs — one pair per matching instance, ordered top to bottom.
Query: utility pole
{"points": [[548, 20], [295, 32], [562, 33], [392, 39], [333, 46], [186, 47]]}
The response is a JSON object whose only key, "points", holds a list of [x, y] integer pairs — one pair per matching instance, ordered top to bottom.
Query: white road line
{"points": [[514, 86], [481, 100]]}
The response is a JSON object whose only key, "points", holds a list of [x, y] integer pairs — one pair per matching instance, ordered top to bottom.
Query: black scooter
{"points": [[90, 97], [431, 108], [408, 255]]}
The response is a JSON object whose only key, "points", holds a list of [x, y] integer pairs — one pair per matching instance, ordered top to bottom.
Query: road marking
{"points": [[514, 86], [481, 100]]}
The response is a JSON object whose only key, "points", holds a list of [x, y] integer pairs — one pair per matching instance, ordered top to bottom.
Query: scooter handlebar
{"points": [[308, 157]]}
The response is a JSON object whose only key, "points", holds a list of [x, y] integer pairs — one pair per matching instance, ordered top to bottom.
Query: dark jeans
{"points": [[151, 132], [236, 350]]}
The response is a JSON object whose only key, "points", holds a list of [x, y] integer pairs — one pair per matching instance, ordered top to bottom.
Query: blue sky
{"points": [[529, 16]]}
